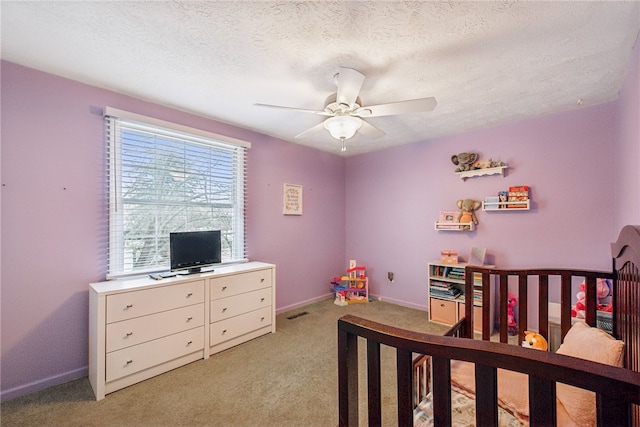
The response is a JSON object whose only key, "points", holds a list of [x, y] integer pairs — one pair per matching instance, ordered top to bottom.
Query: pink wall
{"points": [[628, 146], [394, 197], [54, 221], [53, 234], [308, 249]]}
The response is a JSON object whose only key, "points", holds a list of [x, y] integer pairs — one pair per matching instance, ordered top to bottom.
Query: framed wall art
{"points": [[292, 199]]}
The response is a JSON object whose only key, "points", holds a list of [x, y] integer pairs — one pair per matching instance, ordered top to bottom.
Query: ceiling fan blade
{"points": [[349, 84], [400, 107], [302, 110], [317, 128], [369, 130]]}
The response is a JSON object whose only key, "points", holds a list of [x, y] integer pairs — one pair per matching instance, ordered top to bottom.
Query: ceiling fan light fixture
{"points": [[342, 127]]}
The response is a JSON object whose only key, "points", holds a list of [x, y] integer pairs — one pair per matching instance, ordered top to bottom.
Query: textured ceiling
{"points": [[485, 62]]}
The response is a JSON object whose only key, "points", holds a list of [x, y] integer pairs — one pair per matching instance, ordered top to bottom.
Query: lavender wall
{"points": [[628, 147], [394, 197], [53, 212], [54, 221], [308, 249]]}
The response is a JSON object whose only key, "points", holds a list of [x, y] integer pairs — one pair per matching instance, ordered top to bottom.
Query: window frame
{"points": [[115, 119]]}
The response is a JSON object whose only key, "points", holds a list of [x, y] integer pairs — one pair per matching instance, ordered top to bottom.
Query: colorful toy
{"points": [[356, 269], [352, 287], [603, 294], [341, 298], [511, 318], [534, 340]]}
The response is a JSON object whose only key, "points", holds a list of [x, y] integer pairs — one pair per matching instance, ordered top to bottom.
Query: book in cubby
{"points": [[446, 290]]}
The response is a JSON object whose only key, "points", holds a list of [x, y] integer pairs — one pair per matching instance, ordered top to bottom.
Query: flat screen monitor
{"points": [[192, 250]]}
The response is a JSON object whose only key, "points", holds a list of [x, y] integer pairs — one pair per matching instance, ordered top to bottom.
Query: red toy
{"points": [[603, 293], [511, 319]]}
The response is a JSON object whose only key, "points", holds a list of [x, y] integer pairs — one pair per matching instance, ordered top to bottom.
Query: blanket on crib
{"points": [[513, 392], [463, 413]]}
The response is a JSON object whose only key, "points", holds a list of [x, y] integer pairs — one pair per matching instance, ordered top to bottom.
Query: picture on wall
{"points": [[292, 199]]}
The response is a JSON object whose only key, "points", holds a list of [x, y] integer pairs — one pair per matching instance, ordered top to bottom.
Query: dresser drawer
{"points": [[222, 287], [153, 300], [224, 308], [443, 311], [236, 326], [146, 328], [143, 356]]}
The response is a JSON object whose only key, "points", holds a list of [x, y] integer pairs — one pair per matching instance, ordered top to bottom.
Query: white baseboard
{"points": [[372, 296], [400, 302], [303, 303], [25, 389]]}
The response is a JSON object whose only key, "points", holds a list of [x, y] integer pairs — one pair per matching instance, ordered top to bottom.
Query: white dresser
{"points": [[139, 328]]}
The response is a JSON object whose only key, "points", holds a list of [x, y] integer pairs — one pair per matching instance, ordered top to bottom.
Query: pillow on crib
{"points": [[591, 344]]}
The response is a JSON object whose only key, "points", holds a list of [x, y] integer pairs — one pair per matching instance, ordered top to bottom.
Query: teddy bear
{"points": [[464, 161], [466, 215], [603, 294], [511, 318], [534, 340]]}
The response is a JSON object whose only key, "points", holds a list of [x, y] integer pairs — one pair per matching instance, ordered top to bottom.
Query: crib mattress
{"points": [[463, 412]]}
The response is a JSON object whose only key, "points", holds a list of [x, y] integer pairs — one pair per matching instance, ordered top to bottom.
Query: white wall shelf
{"points": [[498, 170], [506, 206], [454, 226]]}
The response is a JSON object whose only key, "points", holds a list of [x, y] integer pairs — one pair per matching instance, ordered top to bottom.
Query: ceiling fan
{"points": [[345, 111]]}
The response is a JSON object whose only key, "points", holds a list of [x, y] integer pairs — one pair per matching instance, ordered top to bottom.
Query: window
{"points": [[163, 178]]}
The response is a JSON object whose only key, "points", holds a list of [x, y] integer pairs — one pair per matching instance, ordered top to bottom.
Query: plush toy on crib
{"points": [[603, 293], [511, 318], [534, 340]]}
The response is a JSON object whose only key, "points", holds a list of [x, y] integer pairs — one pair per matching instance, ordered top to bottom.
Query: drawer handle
{"points": [[262, 280], [224, 288], [189, 294], [261, 299], [442, 305], [129, 306], [224, 309], [189, 319], [262, 319], [224, 332], [129, 334], [189, 342], [129, 362]]}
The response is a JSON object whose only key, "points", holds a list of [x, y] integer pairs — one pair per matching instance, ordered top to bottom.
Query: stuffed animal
{"points": [[464, 161], [466, 215], [603, 294], [511, 318], [534, 340]]}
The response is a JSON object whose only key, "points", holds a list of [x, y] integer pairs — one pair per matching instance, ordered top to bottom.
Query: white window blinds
{"points": [[163, 178]]}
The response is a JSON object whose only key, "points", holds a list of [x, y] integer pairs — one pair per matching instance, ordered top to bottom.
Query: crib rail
{"points": [[543, 283], [422, 365], [616, 388]]}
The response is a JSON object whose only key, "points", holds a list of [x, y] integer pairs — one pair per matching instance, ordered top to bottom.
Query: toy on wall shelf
{"points": [[464, 161], [469, 166], [517, 197], [466, 215], [535, 341]]}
